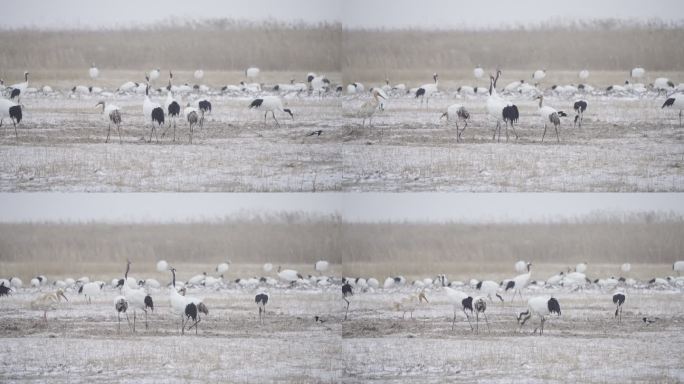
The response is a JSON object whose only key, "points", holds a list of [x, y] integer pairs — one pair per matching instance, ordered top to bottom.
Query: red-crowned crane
{"points": [[675, 101], [270, 104], [456, 112], [113, 114], [549, 114], [541, 306]]}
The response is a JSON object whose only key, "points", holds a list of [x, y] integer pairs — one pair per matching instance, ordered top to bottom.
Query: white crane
{"points": [[93, 71], [252, 72], [478, 72], [637, 72], [154, 74], [199, 74], [583, 74], [539, 75], [663, 84], [18, 88], [427, 90], [675, 101], [270, 104], [579, 106], [10, 109], [368, 109], [500, 109], [152, 112], [456, 112], [113, 114], [549, 114], [162, 266], [321, 266], [521, 266], [678, 266], [267, 267], [626, 267], [222, 268], [581, 268], [288, 275], [16, 282], [519, 282], [489, 288], [90, 290], [347, 292], [137, 298], [261, 299], [618, 300], [48, 301], [410, 303], [121, 306], [541, 306], [187, 307]]}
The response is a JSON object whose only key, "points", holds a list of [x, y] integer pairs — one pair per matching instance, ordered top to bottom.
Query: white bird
{"points": [[93, 71], [252, 72], [478, 72], [637, 72], [154, 74], [199, 74], [583, 74], [539, 75], [663, 84], [128, 86], [513, 86], [18, 88], [427, 90], [675, 101], [270, 104], [172, 108], [368, 108], [500, 109], [11, 110], [152, 112], [456, 112], [113, 114], [549, 114], [162, 266], [321, 266], [521, 266], [223, 267], [268, 267], [626, 267], [678, 267], [581, 268], [288, 275], [197, 279], [555, 279], [574, 279], [16, 282], [519, 282], [373, 283], [489, 288], [90, 290], [261, 299], [618, 300], [48, 301], [460, 301], [410, 303], [121, 306], [541, 306], [187, 307]]}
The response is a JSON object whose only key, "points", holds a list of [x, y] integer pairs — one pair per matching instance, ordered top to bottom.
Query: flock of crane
{"points": [[270, 99], [137, 295]]}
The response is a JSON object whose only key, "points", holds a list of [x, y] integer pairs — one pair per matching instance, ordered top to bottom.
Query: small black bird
{"points": [[318, 133], [649, 321]]}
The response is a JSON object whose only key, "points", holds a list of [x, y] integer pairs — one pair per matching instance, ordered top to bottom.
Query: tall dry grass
{"points": [[211, 44], [603, 45]]}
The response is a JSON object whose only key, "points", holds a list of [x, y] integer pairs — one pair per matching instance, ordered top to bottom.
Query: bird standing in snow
{"points": [[675, 101], [270, 104], [456, 112], [113, 114], [549, 114], [347, 292], [261, 299], [618, 299], [541, 306]]}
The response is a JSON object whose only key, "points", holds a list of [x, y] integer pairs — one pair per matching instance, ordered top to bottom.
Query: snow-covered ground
{"points": [[627, 144], [81, 343]]}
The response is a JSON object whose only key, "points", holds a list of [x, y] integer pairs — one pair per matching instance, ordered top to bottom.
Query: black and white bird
{"points": [[663, 84], [17, 89], [427, 90], [675, 101], [270, 104], [580, 106], [10, 109], [172, 109], [204, 109], [503, 111], [152, 112], [456, 112], [549, 114], [113, 115], [192, 116], [518, 283], [489, 288], [4, 290], [347, 292], [137, 298], [261, 299], [618, 300], [466, 303], [121, 306], [541, 306], [189, 308]]}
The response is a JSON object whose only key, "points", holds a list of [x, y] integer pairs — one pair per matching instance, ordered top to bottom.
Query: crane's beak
{"points": [[64, 296], [422, 297]]}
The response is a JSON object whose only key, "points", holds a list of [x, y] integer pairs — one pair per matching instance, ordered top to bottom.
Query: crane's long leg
{"points": [[265, 114], [274, 118], [109, 127], [119, 130], [174, 130], [463, 130], [191, 132], [514, 132], [544, 133], [16, 134], [557, 134], [494, 137], [345, 313], [118, 314], [468, 317], [146, 319], [134, 320], [454, 321], [486, 321], [477, 322]]}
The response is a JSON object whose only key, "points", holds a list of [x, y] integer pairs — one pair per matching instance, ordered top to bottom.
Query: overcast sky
{"points": [[354, 13], [366, 207]]}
